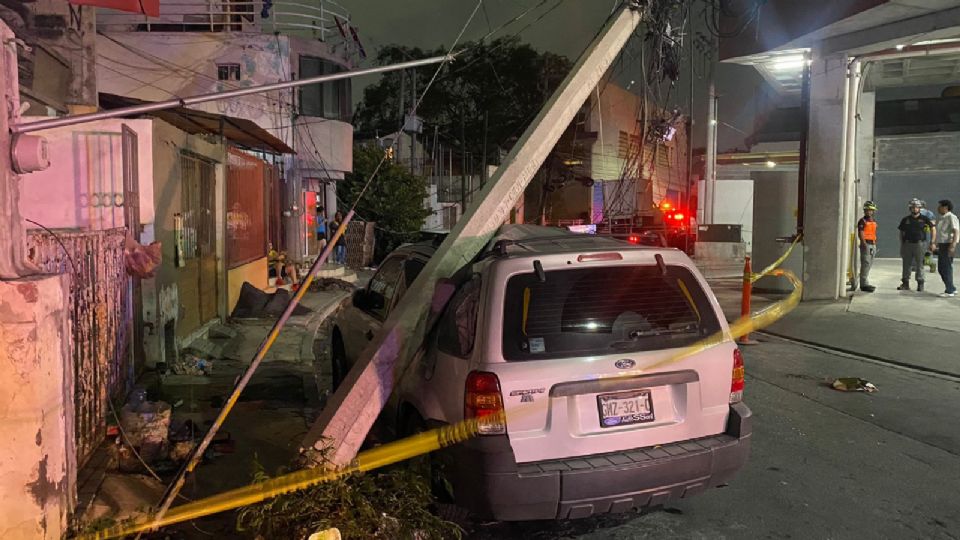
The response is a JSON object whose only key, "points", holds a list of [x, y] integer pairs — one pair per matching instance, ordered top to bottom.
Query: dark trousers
{"points": [[945, 267]]}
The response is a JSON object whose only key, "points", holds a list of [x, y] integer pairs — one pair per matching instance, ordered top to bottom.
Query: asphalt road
{"points": [[825, 464]]}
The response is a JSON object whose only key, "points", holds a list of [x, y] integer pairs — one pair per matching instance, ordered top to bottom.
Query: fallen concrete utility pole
{"points": [[219, 96], [351, 411]]}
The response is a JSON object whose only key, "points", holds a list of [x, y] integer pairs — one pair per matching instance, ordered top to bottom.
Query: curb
{"points": [[316, 321], [875, 358]]}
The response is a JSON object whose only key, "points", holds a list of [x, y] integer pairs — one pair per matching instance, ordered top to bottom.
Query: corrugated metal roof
{"points": [[240, 132]]}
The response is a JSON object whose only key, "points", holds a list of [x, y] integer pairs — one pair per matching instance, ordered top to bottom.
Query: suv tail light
{"points": [[634, 239], [736, 385], [483, 401]]}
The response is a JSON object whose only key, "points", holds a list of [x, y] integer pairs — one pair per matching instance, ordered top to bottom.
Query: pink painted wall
{"points": [[80, 189]]}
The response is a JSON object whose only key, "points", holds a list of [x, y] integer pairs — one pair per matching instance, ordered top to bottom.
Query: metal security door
{"points": [[131, 214]]}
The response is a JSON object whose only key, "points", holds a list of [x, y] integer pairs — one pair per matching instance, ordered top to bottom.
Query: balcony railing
{"points": [[325, 20]]}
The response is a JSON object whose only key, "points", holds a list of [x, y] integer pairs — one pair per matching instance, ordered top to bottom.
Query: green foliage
{"points": [[506, 79], [395, 198], [393, 504]]}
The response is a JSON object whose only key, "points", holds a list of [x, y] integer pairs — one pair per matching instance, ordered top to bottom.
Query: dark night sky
{"points": [[566, 30]]}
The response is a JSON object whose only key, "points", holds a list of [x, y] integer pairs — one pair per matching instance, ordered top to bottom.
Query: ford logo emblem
{"points": [[626, 363]]}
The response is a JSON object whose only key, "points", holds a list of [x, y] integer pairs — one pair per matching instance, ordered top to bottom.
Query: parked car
{"points": [[556, 328]]}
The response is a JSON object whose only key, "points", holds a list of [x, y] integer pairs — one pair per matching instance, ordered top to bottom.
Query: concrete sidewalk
{"points": [[846, 326]]}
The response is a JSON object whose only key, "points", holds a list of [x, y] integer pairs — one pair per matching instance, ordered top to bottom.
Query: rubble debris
{"points": [[330, 284], [254, 303], [189, 364], [853, 384], [146, 426], [180, 451]]}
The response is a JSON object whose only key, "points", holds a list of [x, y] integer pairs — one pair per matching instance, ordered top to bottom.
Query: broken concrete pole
{"points": [[351, 411]]}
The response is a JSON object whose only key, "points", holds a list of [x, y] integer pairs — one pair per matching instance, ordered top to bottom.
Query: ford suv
{"points": [[576, 338]]}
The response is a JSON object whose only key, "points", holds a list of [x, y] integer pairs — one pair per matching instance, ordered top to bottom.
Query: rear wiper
{"points": [[638, 334]]}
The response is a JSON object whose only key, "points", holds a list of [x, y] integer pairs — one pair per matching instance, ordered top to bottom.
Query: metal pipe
{"points": [[217, 96], [804, 144], [709, 179], [848, 199]]}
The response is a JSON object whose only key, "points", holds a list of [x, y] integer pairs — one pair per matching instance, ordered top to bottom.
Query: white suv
{"points": [[556, 328]]}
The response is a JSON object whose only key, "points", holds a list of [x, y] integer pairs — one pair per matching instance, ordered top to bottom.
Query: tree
{"points": [[506, 80], [394, 200]]}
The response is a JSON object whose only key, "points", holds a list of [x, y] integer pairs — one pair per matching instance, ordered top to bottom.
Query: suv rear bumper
{"points": [[488, 481]]}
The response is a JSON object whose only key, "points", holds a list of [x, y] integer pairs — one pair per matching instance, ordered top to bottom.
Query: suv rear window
{"points": [[607, 310]]}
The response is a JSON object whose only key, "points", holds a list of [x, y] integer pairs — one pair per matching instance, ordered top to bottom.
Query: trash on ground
{"points": [[141, 261], [329, 284], [254, 303], [189, 364], [853, 384], [146, 426], [180, 451], [329, 534]]}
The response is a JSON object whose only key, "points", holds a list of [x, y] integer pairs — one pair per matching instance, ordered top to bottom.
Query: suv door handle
{"points": [[369, 335]]}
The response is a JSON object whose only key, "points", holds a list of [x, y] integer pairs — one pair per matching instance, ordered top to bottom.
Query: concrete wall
{"points": [[60, 196], [255, 273], [37, 454]]}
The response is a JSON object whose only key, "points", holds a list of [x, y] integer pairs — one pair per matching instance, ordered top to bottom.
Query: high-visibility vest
{"points": [[870, 231]]}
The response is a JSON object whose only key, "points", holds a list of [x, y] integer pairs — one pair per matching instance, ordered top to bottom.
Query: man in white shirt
{"points": [[948, 233]]}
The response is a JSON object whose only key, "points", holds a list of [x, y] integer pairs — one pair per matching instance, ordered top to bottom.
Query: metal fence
{"points": [[324, 20], [101, 315]]}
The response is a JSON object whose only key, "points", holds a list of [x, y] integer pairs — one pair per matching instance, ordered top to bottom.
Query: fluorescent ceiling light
{"points": [[936, 41], [785, 63]]}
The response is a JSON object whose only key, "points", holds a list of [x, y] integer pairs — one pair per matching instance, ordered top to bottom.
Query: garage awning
{"points": [[240, 132]]}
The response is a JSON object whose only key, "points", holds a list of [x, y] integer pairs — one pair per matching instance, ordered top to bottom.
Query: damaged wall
{"points": [[37, 463]]}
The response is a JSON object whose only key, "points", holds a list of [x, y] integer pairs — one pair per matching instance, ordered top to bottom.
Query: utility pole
{"points": [[400, 114], [413, 130], [483, 160], [463, 162], [710, 177], [344, 423]]}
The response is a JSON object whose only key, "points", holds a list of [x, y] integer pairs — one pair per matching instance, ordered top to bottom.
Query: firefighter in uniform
{"points": [[867, 233], [913, 244]]}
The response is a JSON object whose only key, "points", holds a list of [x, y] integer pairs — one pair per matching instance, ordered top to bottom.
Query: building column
{"points": [[824, 265]]}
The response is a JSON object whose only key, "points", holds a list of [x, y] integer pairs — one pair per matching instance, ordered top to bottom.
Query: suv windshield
{"points": [[599, 311]]}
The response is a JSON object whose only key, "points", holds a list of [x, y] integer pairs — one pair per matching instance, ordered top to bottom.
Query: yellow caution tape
{"points": [[776, 264], [422, 443]]}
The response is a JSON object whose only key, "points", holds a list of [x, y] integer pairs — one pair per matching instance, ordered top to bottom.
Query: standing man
{"points": [[867, 233], [948, 233], [913, 244]]}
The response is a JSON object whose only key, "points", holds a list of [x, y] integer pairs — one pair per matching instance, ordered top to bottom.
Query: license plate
{"points": [[625, 408]]}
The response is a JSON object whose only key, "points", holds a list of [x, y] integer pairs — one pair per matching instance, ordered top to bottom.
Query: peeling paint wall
{"points": [[37, 464]]}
